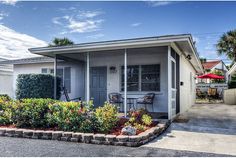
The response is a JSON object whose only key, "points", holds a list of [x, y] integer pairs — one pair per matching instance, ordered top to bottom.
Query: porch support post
{"points": [[55, 77], [87, 78], [125, 82], [169, 82]]}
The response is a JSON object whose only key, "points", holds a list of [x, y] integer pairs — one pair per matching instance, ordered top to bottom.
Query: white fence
{"points": [[204, 86]]}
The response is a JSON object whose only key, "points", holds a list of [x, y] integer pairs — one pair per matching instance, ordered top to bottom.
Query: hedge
{"points": [[37, 86]]}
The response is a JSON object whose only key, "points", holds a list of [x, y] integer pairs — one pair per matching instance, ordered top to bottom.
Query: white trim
{"points": [[112, 44], [173, 45], [198, 60], [232, 69], [55, 77], [87, 78], [125, 82], [169, 82], [173, 89]]}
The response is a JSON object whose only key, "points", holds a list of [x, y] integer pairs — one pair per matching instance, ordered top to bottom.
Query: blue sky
{"points": [[96, 21]]}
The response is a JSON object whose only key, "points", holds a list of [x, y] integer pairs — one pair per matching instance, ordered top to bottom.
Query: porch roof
{"points": [[184, 42]]}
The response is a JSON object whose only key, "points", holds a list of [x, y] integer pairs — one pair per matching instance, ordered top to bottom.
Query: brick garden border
{"points": [[121, 140]]}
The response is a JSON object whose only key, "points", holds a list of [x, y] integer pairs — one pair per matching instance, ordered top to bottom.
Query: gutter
{"points": [[108, 44]]}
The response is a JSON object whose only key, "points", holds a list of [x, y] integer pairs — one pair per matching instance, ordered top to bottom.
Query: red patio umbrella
{"points": [[211, 76]]}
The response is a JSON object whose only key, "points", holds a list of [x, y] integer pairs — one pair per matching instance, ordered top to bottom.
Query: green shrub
{"points": [[232, 84], [36, 86], [5, 96], [5, 110], [31, 113], [70, 116], [107, 117], [136, 117], [139, 119], [146, 120], [90, 124]]}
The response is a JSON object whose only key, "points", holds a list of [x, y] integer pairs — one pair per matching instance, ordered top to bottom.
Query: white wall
{"points": [[156, 56], [77, 73], [6, 79], [187, 93]]}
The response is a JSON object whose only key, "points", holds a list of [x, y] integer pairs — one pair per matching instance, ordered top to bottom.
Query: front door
{"points": [[98, 85], [173, 88]]}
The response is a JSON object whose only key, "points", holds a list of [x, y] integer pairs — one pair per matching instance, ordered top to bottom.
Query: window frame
{"points": [[49, 70], [140, 78]]}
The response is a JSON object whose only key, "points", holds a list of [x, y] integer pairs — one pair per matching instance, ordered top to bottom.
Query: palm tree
{"points": [[61, 42], [227, 45], [203, 60]]}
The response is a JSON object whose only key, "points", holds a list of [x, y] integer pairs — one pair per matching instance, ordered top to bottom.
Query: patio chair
{"points": [[65, 92], [212, 93], [199, 94], [116, 98], [148, 99]]}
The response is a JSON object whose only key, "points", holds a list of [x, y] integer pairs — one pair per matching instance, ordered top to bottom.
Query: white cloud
{"points": [[9, 2], [158, 3], [68, 9], [89, 14], [3, 15], [56, 20], [82, 22], [136, 24], [84, 26], [99, 35], [196, 39], [15, 45], [209, 46]]}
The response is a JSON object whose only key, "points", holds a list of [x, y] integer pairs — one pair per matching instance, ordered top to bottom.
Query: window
{"points": [[44, 70], [63, 73], [67, 78], [132, 78], [142, 78], [150, 78]]}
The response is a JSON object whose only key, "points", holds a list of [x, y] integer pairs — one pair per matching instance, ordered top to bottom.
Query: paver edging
{"points": [[120, 140]]}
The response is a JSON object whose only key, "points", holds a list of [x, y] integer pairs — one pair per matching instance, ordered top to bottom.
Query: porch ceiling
{"points": [[82, 56]]}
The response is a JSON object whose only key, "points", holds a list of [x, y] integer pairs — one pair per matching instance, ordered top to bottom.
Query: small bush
{"points": [[232, 84], [37, 86], [5, 96], [5, 110], [31, 113], [70, 116], [107, 117], [136, 117], [139, 119], [147, 120]]}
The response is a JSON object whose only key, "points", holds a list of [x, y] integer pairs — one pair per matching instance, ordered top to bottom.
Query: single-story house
{"points": [[163, 65], [6, 79]]}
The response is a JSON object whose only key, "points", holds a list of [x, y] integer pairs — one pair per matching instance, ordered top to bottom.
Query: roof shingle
{"points": [[210, 64]]}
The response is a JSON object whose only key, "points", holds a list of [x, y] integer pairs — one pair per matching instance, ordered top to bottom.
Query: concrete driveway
{"points": [[211, 128]]}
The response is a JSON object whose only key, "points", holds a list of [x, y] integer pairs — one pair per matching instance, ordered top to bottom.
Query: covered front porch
{"points": [[131, 72]]}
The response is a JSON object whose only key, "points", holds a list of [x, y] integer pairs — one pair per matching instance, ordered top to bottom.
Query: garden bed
{"points": [[76, 121], [106, 139]]}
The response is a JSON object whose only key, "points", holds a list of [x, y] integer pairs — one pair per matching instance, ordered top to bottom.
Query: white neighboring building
{"points": [[164, 65], [212, 65], [231, 72], [6, 79]]}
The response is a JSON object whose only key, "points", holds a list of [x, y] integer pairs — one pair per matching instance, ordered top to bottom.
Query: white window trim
{"points": [[139, 80]]}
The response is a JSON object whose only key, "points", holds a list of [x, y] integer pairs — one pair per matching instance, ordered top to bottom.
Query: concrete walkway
{"points": [[211, 128]]}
